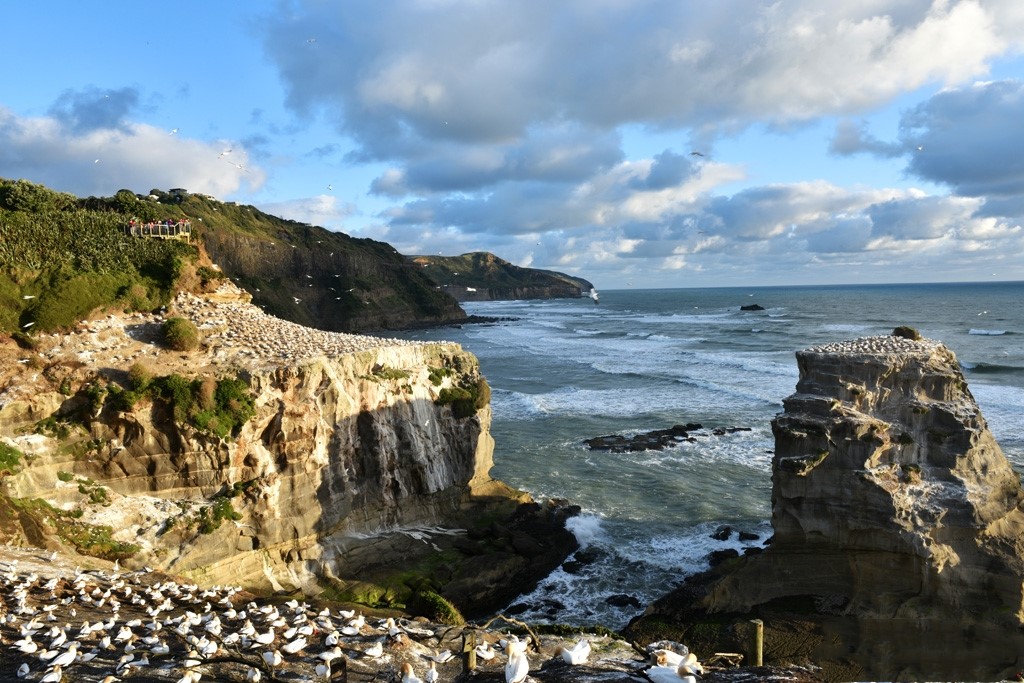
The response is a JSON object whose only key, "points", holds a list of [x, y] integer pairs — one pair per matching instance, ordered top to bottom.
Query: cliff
{"points": [[62, 257], [481, 276], [354, 445], [898, 551]]}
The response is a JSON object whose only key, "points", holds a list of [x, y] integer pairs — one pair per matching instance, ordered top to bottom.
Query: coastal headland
{"points": [[358, 467], [898, 548]]}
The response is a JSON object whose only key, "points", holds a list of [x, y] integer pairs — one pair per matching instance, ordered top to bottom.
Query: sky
{"points": [[635, 143]]}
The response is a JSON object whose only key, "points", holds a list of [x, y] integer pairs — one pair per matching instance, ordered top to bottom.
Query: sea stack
{"points": [[898, 551]]}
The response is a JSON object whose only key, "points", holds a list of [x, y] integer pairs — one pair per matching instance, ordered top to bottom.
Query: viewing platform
{"points": [[166, 230]]}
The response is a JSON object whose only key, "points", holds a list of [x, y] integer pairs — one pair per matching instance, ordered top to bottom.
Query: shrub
{"points": [[907, 333], [181, 334], [437, 375], [139, 377], [210, 518], [435, 608]]}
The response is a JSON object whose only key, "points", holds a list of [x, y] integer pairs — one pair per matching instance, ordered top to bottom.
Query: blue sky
{"points": [[636, 143]]}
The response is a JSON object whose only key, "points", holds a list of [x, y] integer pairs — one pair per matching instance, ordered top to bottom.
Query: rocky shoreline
{"points": [[109, 624]]}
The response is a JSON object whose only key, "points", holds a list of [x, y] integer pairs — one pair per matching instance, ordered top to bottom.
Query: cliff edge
{"points": [[358, 458], [898, 551]]}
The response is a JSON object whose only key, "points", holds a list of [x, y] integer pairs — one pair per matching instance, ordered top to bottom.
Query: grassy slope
{"points": [[62, 257], [486, 271]]}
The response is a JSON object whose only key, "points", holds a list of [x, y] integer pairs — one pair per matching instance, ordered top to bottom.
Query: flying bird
{"points": [[173, 131], [696, 154]]}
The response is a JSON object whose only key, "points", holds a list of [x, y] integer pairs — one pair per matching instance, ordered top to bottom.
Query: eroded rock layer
{"points": [[353, 440], [899, 534]]}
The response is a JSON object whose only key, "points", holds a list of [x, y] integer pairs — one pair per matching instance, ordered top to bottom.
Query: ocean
{"points": [[566, 370]]}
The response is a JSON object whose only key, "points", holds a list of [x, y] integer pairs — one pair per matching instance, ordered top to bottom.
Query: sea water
{"points": [[566, 370]]}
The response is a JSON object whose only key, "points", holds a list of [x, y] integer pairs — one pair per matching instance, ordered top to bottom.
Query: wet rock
{"points": [[655, 440], [623, 600]]}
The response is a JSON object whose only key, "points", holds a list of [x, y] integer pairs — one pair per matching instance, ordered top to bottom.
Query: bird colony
{"points": [[107, 625]]}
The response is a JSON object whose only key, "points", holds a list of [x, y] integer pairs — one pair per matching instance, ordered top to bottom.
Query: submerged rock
{"points": [[898, 527]]}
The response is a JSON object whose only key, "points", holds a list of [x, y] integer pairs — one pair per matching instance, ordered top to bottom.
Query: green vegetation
{"points": [[61, 258], [907, 333], [181, 334], [383, 372], [437, 375], [466, 400], [216, 407], [905, 439], [10, 459], [65, 476], [211, 516], [88, 539], [428, 604]]}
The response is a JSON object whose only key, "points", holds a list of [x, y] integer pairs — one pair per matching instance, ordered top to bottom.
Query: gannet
{"points": [[577, 654]]}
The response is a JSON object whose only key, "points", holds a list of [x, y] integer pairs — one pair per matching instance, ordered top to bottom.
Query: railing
{"points": [[168, 230]]}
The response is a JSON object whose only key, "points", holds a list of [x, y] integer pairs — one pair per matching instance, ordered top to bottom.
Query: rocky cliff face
{"points": [[482, 276], [352, 443], [899, 535]]}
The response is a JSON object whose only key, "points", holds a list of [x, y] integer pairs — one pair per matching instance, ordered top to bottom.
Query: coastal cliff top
{"points": [[234, 329], [234, 332], [881, 344]]}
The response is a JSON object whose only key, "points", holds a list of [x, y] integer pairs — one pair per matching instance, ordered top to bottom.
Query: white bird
{"points": [[173, 131], [29, 296], [264, 638], [294, 646], [375, 650], [485, 651], [577, 654], [67, 656], [442, 656], [273, 658], [517, 666], [23, 670], [323, 671], [669, 674], [253, 675], [431, 675], [52, 676], [408, 676]]}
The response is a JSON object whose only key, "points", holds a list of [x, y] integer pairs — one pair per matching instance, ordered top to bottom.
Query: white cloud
{"points": [[108, 155], [324, 210]]}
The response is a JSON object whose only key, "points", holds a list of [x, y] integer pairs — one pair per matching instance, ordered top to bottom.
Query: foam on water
{"points": [[566, 370]]}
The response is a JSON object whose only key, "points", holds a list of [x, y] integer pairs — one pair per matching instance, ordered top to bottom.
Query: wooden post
{"points": [[757, 643], [468, 651]]}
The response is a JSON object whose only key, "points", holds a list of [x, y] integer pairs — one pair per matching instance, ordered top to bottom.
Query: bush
{"points": [[907, 333], [181, 334], [139, 377], [435, 608]]}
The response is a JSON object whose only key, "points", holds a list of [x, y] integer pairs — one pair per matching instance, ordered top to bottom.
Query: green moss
{"points": [[386, 373], [437, 375], [52, 427], [10, 459], [65, 476], [211, 517], [88, 539], [435, 608]]}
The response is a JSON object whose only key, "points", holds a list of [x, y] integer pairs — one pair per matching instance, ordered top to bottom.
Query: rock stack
{"points": [[899, 535]]}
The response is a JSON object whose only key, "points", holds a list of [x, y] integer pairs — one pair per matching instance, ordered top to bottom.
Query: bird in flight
{"points": [[173, 131], [696, 154]]}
